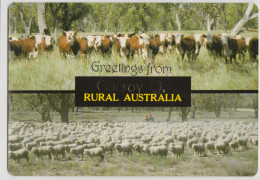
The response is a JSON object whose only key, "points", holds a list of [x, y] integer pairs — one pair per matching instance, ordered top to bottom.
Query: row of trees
{"points": [[113, 17], [64, 103]]}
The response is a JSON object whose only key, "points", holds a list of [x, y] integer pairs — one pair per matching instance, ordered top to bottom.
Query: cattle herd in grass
{"points": [[219, 46], [101, 140]]}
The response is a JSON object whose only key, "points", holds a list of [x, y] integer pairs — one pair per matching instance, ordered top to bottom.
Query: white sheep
{"points": [[210, 145], [234, 145], [15, 146], [221, 146], [108, 147], [126, 148], [199, 148], [176, 149], [60, 150], [158, 150], [43, 151], [77, 151], [94, 152], [19, 154]]}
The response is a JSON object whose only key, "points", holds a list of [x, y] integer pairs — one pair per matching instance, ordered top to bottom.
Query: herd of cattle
{"points": [[218, 46], [60, 141]]}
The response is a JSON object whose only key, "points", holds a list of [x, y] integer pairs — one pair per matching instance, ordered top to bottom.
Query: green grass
{"points": [[52, 72]]}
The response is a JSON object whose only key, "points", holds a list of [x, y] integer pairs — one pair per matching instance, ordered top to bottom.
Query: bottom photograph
{"points": [[49, 136]]}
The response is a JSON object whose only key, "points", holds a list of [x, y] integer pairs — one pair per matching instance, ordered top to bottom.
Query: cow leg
{"points": [[188, 55], [182, 56]]}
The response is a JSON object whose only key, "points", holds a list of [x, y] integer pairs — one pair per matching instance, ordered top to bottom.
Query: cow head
{"points": [[70, 36], [38, 39], [178, 39], [48, 40], [209, 40], [224, 40], [247, 40], [91, 41], [122, 41], [198, 41], [98, 42], [144, 42]]}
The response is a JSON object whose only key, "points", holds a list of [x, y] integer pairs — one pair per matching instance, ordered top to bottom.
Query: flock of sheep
{"points": [[96, 140]]}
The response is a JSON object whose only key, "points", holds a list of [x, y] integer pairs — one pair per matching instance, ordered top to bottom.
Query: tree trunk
{"points": [[41, 18], [225, 18], [54, 19], [178, 21], [209, 23], [26, 27], [238, 27], [54, 29], [64, 111], [184, 113], [193, 113], [169, 114]]}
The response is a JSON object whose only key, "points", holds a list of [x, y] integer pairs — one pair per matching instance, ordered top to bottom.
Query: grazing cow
{"points": [[199, 39], [44, 42], [91, 42], [98, 42], [144, 42], [170, 42], [68, 43], [83, 43], [123, 43], [106, 45], [117, 45], [185, 45], [214, 45], [133, 46], [154, 46], [241, 46], [16, 47], [28, 47], [230, 47], [162, 48], [253, 49]]}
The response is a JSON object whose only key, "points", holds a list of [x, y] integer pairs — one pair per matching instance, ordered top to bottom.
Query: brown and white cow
{"points": [[199, 40], [122, 41], [44, 42], [144, 42], [170, 42], [68, 43], [83, 43], [106, 45], [185, 45], [214, 45], [133, 46], [154, 46], [15, 47], [230, 47], [162, 48], [241, 49], [253, 49]]}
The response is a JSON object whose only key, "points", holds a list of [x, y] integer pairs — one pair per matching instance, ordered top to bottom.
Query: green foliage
{"points": [[110, 17]]}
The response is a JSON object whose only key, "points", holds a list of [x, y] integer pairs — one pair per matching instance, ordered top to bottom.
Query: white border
{"points": [[3, 94]]}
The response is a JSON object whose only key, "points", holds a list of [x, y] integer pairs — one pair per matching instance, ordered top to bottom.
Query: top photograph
{"points": [[216, 44]]}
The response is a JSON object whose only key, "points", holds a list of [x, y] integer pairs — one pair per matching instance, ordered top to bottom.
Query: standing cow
{"points": [[68, 43], [185, 45], [214, 45], [133, 46], [230, 47], [253, 49]]}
